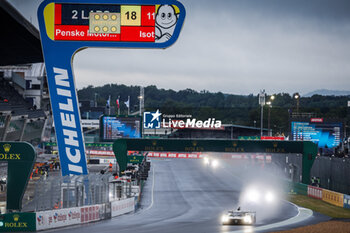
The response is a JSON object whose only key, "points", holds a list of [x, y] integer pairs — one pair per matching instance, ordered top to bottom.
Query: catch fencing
{"points": [[291, 164], [333, 172], [56, 192]]}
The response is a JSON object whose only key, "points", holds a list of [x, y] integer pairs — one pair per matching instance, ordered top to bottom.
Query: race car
{"points": [[211, 162], [238, 218]]}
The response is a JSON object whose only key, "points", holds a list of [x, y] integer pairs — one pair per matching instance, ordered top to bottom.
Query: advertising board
{"points": [[113, 22], [113, 127], [323, 134], [175, 155], [200, 155], [20, 158], [135, 159], [314, 192], [333, 198], [347, 201], [123, 206], [91, 213], [68, 216], [57, 218], [14, 222]]}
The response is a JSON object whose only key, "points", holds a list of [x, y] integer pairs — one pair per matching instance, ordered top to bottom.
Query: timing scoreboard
{"points": [[98, 22], [112, 22], [68, 26], [112, 127], [324, 134]]}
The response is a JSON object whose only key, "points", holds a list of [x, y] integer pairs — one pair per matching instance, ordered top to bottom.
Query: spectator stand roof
{"points": [[19, 40]]}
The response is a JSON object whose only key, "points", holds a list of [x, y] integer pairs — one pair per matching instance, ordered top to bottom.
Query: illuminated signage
{"points": [[111, 22], [319, 120], [119, 127], [325, 135]]}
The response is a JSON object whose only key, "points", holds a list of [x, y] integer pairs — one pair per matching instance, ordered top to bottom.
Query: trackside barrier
{"points": [[100, 152], [175, 155], [200, 155], [107, 161], [298, 188], [314, 192], [138, 198], [333, 198], [347, 201], [123, 206], [92, 213], [69, 216], [14, 222]]}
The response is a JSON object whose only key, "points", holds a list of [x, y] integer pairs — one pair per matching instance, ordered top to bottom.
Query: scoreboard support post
{"points": [[67, 27]]}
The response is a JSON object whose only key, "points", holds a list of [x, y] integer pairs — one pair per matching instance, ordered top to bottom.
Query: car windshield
{"points": [[236, 214]]}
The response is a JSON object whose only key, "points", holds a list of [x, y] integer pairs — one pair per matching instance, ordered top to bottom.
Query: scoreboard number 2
{"points": [[74, 14]]}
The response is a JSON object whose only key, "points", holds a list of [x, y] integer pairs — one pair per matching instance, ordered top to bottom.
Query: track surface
{"points": [[187, 197]]}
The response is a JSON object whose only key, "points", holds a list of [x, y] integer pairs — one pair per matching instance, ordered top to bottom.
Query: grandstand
{"points": [[24, 100], [20, 118]]}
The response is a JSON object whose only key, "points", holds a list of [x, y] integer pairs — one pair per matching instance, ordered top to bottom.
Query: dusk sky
{"points": [[236, 47]]}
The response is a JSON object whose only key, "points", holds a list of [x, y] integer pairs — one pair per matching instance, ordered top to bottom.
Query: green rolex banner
{"points": [[20, 157], [135, 159], [14, 222]]}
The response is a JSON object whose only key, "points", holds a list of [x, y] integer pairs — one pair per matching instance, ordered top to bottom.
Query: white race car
{"points": [[211, 162], [238, 218]]}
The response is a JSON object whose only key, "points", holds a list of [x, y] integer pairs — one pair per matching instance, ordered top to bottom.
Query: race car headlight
{"points": [[215, 163], [253, 195], [269, 197], [224, 218], [247, 219]]}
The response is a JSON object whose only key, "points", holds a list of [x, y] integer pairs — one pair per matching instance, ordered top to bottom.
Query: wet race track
{"points": [[184, 195]]}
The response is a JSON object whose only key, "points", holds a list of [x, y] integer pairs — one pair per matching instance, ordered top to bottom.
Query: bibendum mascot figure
{"points": [[166, 20]]}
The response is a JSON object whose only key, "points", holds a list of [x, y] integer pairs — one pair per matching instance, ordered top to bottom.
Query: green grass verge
{"points": [[319, 206]]}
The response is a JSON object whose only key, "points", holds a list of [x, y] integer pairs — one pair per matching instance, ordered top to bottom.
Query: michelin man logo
{"points": [[166, 19], [151, 120]]}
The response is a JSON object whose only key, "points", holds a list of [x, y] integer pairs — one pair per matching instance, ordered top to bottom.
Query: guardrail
{"points": [[314, 192], [331, 197], [69, 216], [50, 219]]}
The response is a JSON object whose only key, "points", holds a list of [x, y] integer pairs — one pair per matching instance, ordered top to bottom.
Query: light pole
{"points": [[96, 94], [297, 97], [142, 99], [262, 103], [140, 104], [269, 104], [268, 117]]}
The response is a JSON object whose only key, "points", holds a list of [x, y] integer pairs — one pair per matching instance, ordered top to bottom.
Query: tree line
{"points": [[229, 108]]}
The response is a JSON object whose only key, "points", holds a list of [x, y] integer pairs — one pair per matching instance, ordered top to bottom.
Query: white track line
{"points": [[152, 197], [302, 215]]}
